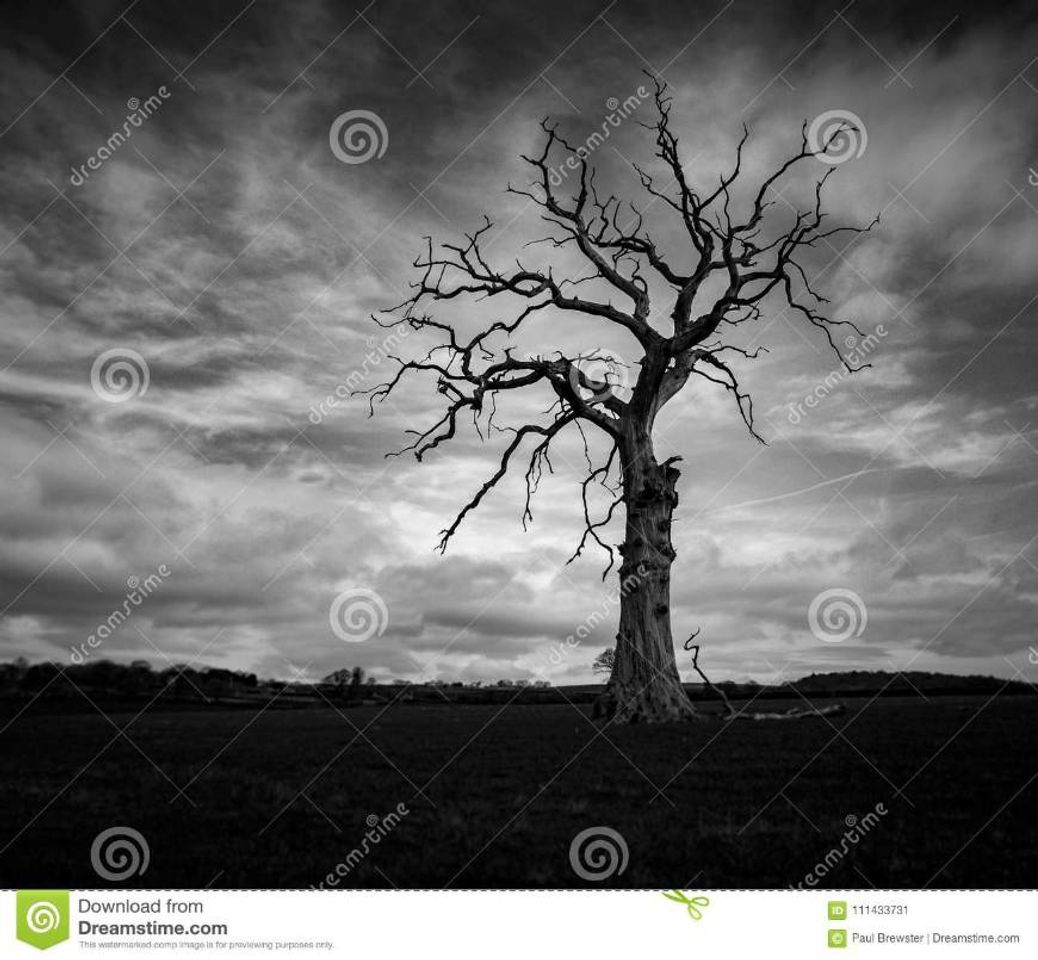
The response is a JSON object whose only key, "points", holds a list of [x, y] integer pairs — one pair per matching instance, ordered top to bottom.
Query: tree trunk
{"points": [[644, 686]]}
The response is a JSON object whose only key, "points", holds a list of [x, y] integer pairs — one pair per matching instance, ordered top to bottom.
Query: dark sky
{"points": [[225, 244]]}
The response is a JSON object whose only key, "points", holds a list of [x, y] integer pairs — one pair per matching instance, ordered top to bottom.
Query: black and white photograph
{"points": [[492, 446]]}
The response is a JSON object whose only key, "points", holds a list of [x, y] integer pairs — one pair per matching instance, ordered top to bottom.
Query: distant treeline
{"points": [[101, 678], [181, 683]]}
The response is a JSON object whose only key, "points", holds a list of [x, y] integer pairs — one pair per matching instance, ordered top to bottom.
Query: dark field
{"points": [[278, 798]]}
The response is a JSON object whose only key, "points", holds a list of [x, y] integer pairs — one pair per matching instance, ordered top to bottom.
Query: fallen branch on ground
{"points": [[730, 713], [794, 713]]}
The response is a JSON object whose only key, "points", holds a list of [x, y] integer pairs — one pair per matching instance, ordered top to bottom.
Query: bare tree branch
{"points": [[752, 262]]}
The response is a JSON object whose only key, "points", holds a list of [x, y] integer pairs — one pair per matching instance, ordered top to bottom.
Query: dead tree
{"points": [[719, 279]]}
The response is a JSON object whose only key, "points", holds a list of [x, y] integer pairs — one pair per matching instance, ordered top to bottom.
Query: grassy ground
{"points": [[278, 798]]}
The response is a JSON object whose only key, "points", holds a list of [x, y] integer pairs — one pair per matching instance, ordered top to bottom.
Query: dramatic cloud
{"points": [[222, 241]]}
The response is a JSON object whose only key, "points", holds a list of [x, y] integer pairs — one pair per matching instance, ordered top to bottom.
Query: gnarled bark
{"points": [[645, 686]]}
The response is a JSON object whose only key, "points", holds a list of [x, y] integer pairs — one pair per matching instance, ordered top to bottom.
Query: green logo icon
{"points": [[693, 905], [837, 909], [42, 917], [837, 938]]}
